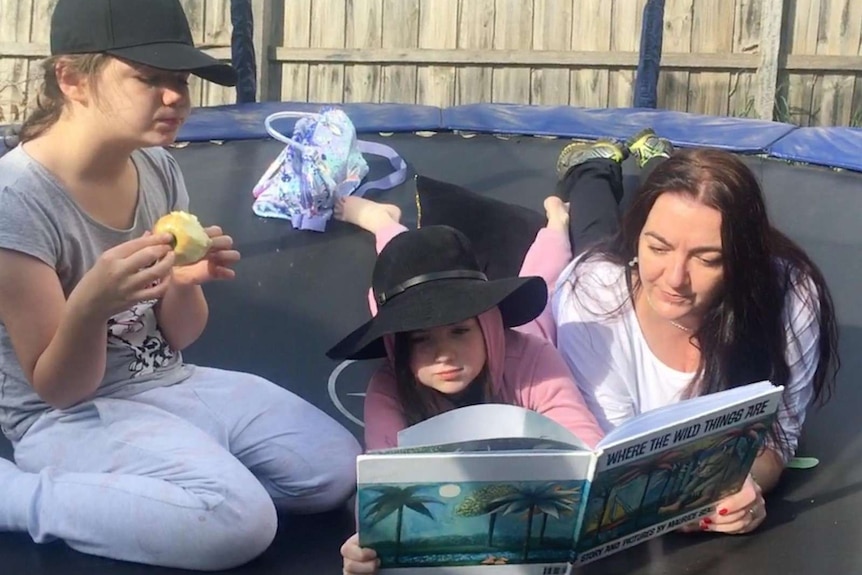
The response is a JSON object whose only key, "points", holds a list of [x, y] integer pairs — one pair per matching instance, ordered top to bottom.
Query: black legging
{"points": [[595, 193]]}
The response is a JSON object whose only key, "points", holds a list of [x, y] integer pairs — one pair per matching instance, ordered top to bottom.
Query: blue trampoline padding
{"points": [[245, 121], [682, 128], [822, 146], [837, 147]]}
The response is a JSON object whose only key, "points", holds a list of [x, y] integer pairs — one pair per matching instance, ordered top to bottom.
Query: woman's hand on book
{"points": [[742, 512], [358, 560]]}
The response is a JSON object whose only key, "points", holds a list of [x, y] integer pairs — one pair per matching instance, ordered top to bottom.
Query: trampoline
{"points": [[298, 291]]}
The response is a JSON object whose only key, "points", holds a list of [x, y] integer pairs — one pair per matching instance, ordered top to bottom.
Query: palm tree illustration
{"points": [[548, 498], [393, 500], [481, 502], [559, 514]]}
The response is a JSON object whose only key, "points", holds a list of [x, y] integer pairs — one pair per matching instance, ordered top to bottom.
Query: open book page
{"points": [[486, 421], [658, 478], [458, 513]]}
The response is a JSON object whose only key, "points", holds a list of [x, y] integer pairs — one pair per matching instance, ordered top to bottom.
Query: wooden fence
{"points": [[794, 60]]}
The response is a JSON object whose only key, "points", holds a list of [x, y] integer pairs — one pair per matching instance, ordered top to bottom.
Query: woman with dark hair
{"points": [[692, 291]]}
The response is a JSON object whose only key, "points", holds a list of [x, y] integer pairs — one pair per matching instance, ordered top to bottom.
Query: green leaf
{"points": [[803, 463], [517, 507], [419, 508], [549, 510], [382, 513]]}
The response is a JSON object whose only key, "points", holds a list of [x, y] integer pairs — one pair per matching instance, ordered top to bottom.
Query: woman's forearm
{"points": [[767, 469]]}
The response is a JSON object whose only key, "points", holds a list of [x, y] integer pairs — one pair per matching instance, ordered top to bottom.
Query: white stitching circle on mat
{"points": [[333, 394]]}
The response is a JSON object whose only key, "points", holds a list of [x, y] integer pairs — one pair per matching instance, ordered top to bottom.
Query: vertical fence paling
{"points": [[772, 12], [243, 52], [649, 62]]}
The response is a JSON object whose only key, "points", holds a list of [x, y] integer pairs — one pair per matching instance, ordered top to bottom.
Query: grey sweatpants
{"points": [[185, 476]]}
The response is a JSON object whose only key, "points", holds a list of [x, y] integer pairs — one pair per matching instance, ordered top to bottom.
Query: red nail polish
{"points": [[722, 511], [707, 520], [704, 526]]}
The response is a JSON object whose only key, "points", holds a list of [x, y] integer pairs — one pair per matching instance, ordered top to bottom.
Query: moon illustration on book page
{"points": [[450, 490]]}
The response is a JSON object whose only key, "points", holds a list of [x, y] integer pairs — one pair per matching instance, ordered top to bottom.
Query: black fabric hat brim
{"points": [[179, 57], [444, 302]]}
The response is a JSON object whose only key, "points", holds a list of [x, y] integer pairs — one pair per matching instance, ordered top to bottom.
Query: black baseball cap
{"points": [[151, 32]]}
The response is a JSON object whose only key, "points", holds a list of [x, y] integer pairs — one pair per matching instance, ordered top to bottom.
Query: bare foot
{"points": [[367, 214], [558, 214]]}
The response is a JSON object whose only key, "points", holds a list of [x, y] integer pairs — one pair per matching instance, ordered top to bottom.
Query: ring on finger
{"points": [[758, 509]]}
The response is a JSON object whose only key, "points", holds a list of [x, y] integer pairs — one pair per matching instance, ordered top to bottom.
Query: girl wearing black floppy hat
{"points": [[450, 334], [123, 450]]}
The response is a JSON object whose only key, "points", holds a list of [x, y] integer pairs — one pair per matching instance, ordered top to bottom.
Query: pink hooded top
{"points": [[524, 365]]}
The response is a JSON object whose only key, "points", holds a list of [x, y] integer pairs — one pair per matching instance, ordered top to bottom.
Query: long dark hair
{"points": [[742, 336], [419, 402]]}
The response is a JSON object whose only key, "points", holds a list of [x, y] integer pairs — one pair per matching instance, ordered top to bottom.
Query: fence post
{"points": [[771, 15], [265, 25], [242, 50], [649, 61]]}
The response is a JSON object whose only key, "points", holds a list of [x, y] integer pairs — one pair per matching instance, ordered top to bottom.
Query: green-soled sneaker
{"points": [[646, 145], [577, 153]]}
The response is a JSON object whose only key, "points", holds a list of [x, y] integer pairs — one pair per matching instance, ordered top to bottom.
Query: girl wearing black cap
{"points": [[448, 334], [122, 449]]}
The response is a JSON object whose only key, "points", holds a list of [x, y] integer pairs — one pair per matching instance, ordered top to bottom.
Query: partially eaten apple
{"points": [[191, 242]]}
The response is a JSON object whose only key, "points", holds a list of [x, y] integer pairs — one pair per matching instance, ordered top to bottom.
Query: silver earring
{"points": [[633, 262]]}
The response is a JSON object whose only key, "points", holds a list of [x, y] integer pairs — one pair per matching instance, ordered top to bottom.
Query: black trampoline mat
{"points": [[298, 292]]}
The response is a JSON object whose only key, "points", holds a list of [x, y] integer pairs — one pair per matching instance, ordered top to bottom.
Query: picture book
{"points": [[505, 486]]}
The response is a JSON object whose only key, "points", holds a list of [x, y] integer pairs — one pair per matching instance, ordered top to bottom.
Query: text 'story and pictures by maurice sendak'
{"points": [[504, 486]]}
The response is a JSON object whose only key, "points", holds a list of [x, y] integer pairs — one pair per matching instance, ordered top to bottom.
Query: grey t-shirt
{"points": [[39, 218]]}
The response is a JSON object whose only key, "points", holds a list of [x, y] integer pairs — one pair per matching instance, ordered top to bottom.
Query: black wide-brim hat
{"points": [[155, 33], [430, 277]]}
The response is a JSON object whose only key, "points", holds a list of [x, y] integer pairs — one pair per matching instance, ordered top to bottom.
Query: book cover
{"points": [[661, 480], [531, 499], [518, 511]]}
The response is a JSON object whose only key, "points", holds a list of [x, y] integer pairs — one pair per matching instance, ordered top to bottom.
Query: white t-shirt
{"points": [[620, 377]]}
